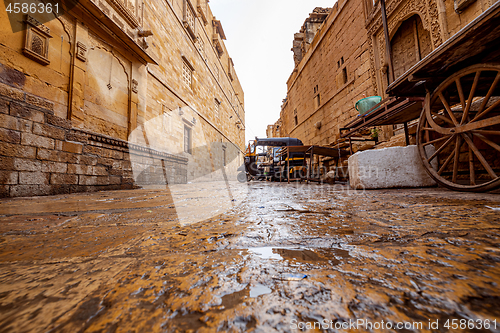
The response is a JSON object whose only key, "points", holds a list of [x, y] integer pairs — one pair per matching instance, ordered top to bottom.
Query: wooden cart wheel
{"points": [[459, 130]]}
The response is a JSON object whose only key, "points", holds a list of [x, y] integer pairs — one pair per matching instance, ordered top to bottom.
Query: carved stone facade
{"points": [[437, 16], [346, 60], [332, 70], [100, 103]]}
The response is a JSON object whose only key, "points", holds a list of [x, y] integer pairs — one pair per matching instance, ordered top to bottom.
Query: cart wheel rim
{"points": [[459, 130]]}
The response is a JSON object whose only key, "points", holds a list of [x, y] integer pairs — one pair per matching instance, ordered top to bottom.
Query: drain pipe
{"points": [[442, 19]]}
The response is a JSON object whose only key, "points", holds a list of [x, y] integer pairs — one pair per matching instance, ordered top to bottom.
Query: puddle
{"points": [[266, 252], [331, 255], [259, 290], [232, 300]]}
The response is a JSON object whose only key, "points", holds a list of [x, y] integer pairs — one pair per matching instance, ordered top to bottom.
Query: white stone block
{"points": [[394, 167]]}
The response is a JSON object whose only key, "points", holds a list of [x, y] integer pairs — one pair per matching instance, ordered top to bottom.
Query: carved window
{"points": [[189, 18], [36, 45], [201, 47], [187, 72], [187, 75]]}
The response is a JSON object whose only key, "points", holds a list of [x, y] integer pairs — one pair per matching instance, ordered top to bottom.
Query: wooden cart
{"points": [[458, 134]]}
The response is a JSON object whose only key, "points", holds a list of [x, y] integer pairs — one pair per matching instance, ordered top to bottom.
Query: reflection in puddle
{"points": [[266, 252], [304, 255], [258, 290], [231, 300]]}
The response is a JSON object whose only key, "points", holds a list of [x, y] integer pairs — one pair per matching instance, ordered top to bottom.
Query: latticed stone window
{"points": [[189, 18], [36, 46], [201, 47], [187, 72], [187, 75]]}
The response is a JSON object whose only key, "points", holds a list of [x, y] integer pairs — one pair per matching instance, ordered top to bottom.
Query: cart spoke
{"points": [[460, 93], [489, 94], [471, 97], [448, 109], [482, 114], [443, 118], [460, 121], [428, 129], [486, 132], [427, 137], [437, 140], [486, 140], [441, 148], [457, 155], [479, 156], [445, 164], [471, 168]]}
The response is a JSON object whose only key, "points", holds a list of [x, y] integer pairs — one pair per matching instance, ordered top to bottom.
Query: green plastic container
{"points": [[364, 105]]}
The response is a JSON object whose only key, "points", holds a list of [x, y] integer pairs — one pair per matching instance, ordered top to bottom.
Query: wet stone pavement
{"points": [[280, 258]]}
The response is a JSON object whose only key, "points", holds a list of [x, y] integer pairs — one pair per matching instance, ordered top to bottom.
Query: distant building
{"points": [[115, 94]]}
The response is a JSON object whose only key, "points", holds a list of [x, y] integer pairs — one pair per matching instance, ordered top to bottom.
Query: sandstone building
{"points": [[340, 55], [115, 94]]}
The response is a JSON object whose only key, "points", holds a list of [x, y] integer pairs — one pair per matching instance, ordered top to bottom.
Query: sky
{"points": [[259, 40]]}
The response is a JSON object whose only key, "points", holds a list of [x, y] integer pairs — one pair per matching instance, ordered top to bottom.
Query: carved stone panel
{"points": [[36, 46], [81, 51]]}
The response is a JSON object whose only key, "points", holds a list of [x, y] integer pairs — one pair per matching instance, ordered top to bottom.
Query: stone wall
{"points": [[347, 60], [146, 76], [41, 154]]}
